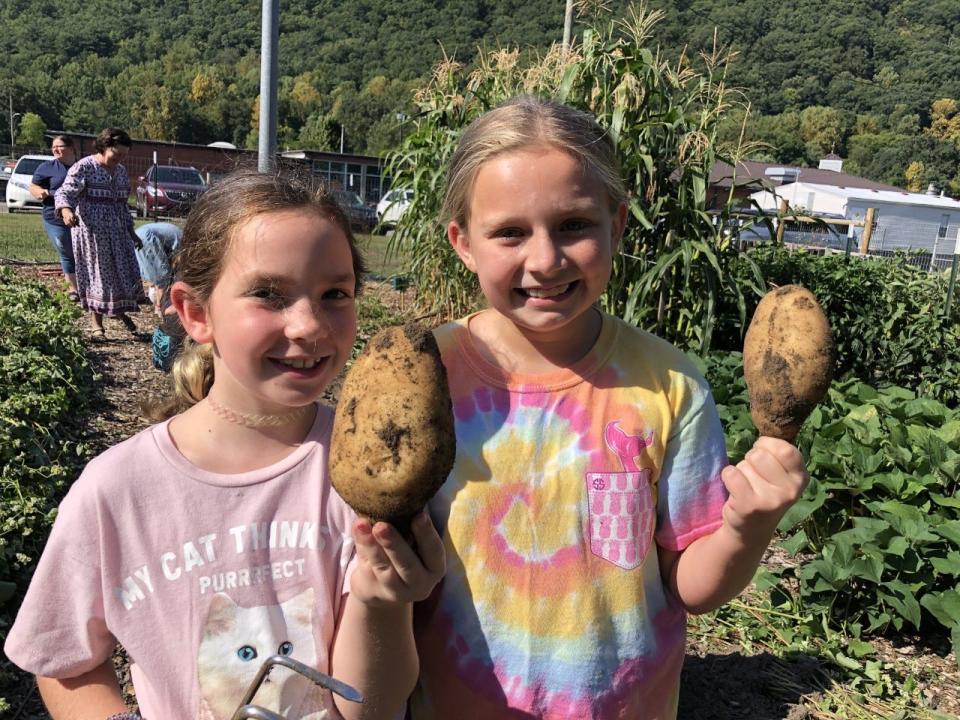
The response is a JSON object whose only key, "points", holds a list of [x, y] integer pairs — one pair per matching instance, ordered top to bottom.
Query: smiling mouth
{"points": [[543, 293], [299, 364]]}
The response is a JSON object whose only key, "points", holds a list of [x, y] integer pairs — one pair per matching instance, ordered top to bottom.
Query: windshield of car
{"points": [[27, 166], [183, 176], [399, 196], [345, 197]]}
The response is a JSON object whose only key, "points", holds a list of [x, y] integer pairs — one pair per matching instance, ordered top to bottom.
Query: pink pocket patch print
{"points": [[620, 503], [621, 516]]}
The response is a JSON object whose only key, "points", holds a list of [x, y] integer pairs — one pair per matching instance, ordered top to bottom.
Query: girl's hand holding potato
{"points": [[762, 486], [389, 570]]}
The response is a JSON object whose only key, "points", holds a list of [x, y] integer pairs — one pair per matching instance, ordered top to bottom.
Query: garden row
{"points": [[45, 384]]}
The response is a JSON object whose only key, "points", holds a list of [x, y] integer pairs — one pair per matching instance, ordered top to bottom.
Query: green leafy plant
{"points": [[887, 316], [44, 378], [877, 532]]}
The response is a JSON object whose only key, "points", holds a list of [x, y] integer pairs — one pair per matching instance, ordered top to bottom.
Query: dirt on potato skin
{"points": [[789, 358], [393, 441], [720, 681]]}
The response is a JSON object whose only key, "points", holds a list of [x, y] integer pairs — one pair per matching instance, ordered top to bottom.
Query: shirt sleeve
{"points": [[40, 178], [73, 185], [690, 494], [340, 519], [60, 630]]}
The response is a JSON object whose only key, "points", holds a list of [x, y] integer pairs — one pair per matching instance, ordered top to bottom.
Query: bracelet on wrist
{"points": [[125, 716]]}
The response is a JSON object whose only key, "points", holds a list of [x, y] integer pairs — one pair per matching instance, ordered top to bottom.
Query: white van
{"points": [[18, 196], [392, 206]]}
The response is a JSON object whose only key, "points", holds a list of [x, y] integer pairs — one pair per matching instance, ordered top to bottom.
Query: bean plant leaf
{"points": [[949, 530], [901, 597]]}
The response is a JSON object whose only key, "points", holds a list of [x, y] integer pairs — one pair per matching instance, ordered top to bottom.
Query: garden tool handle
{"points": [[246, 710]]}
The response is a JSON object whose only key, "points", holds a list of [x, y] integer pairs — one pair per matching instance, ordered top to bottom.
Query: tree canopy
{"points": [[819, 75]]}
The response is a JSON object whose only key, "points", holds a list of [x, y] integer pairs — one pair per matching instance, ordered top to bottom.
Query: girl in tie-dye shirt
{"points": [[591, 505]]}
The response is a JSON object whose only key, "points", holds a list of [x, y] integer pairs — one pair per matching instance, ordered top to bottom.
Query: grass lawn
{"points": [[22, 238], [380, 265]]}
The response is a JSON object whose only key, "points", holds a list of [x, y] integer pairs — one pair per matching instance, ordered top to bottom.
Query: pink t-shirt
{"points": [[200, 577]]}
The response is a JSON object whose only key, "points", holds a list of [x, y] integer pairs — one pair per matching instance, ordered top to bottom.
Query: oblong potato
{"points": [[788, 360], [393, 441]]}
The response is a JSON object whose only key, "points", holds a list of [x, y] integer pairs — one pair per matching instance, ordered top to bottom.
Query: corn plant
{"points": [[672, 271]]}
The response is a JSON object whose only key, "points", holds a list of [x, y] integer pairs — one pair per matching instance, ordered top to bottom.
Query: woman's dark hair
{"points": [[111, 137], [65, 139]]}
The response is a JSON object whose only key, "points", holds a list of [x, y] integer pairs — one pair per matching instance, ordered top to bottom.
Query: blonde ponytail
{"points": [[191, 378]]}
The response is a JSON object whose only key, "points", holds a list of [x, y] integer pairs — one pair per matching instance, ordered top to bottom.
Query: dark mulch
{"points": [[720, 681]]}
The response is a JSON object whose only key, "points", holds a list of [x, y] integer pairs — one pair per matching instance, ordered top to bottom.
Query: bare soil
{"points": [[720, 680]]}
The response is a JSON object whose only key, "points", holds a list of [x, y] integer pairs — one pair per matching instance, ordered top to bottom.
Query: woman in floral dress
{"points": [[93, 202]]}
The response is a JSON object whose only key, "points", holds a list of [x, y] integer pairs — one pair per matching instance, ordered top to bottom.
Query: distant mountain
{"points": [[189, 69]]}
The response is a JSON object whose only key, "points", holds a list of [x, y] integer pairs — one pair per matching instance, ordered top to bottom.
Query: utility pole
{"points": [[568, 25], [269, 69], [13, 118], [953, 276]]}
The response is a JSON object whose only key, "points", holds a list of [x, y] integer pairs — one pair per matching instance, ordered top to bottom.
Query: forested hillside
{"points": [[874, 81]]}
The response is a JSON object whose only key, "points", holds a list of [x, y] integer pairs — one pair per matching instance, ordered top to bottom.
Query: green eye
{"points": [[246, 653]]}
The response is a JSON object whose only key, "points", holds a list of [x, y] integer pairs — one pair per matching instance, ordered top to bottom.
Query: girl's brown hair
{"points": [[522, 122], [207, 236]]}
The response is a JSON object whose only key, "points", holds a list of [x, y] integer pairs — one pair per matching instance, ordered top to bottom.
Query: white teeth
{"points": [[546, 292], [299, 364]]}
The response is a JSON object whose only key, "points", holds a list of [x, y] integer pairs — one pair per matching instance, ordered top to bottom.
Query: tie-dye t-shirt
{"points": [[563, 488]]}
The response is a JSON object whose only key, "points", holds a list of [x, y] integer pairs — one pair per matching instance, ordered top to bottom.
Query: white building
{"points": [[903, 220]]}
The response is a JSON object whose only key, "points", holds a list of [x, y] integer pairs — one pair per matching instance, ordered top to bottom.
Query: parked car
{"points": [[6, 169], [168, 190], [18, 196], [392, 206], [362, 218]]}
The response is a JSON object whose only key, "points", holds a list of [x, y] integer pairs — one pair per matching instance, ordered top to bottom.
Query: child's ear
{"points": [[618, 225], [461, 244], [193, 315]]}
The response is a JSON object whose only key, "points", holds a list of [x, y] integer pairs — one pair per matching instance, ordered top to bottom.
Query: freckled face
{"points": [[540, 236], [282, 314]]}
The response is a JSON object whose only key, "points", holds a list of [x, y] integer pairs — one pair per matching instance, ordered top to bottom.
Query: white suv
{"points": [[18, 196], [392, 206]]}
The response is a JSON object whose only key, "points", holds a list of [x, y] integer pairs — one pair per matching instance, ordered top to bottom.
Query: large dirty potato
{"points": [[788, 360], [393, 440]]}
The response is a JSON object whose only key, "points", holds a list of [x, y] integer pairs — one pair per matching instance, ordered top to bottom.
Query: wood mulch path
{"points": [[720, 681]]}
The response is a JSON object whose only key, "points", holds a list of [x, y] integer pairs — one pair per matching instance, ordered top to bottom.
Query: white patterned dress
{"points": [[108, 277]]}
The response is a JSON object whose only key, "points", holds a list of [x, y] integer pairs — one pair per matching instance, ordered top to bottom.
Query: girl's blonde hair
{"points": [[527, 121], [207, 237]]}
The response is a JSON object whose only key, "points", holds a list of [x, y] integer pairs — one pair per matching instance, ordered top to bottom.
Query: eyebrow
{"points": [[276, 280]]}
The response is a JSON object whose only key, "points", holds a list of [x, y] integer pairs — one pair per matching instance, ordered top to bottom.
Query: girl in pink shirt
{"points": [[213, 540]]}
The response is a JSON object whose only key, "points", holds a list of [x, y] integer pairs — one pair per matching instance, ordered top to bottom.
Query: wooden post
{"points": [[780, 222], [867, 231]]}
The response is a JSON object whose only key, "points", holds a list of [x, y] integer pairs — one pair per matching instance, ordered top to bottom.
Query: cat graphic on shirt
{"points": [[237, 640]]}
